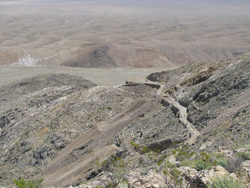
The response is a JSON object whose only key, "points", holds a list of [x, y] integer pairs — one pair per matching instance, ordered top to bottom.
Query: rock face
{"points": [[215, 95], [66, 130]]}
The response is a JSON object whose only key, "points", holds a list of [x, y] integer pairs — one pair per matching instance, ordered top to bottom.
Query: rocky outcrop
{"points": [[151, 179]]}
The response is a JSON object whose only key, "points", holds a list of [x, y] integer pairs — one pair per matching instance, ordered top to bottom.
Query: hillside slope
{"points": [[68, 131]]}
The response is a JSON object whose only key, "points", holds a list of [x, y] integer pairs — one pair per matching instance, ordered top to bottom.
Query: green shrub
{"points": [[135, 145], [247, 147], [145, 150], [183, 155], [217, 155], [244, 156], [205, 162], [222, 162], [186, 163], [199, 164], [116, 168], [174, 175], [225, 182], [21, 183]]}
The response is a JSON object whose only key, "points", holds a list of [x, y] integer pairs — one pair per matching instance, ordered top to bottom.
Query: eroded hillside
{"points": [[184, 125]]}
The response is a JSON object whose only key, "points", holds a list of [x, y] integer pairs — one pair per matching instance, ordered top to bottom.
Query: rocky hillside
{"points": [[216, 96], [180, 128]]}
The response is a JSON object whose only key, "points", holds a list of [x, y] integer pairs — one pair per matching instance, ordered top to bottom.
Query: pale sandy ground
{"points": [[105, 77]]}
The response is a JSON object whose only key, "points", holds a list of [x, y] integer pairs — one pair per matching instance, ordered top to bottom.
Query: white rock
{"points": [[172, 159], [246, 165], [220, 171], [232, 175], [137, 184], [148, 185], [156, 185]]}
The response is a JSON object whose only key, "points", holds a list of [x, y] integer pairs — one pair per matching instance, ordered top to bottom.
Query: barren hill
{"points": [[124, 33], [119, 55]]}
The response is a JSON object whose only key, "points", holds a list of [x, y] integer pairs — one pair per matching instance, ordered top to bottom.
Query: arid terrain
{"points": [[121, 34], [109, 93], [64, 130]]}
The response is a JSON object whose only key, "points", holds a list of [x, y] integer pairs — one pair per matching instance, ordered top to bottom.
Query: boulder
{"points": [[218, 171], [150, 180]]}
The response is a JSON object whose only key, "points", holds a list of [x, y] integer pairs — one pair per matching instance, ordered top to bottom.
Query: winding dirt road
{"points": [[183, 118], [193, 133]]}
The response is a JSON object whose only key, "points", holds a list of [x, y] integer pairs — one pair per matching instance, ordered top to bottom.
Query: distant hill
{"points": [[119, 55]]}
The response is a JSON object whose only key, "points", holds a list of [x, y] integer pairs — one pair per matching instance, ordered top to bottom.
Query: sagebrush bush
{"points": [[247, 147], [244, 156], [222, 162], [233, 164], [225, 182], [21, 183]]}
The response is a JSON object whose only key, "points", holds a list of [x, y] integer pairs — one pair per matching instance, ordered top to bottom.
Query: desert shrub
{"points": [[135, 145], [247, 147], [145, 149], [183, 155], [217, 155], [244, 156], [152, 158], [161, 159], [205, 162], [222, 162], [186, 163], [199, 164], [233, 164], [116, 168], [172, 175], [176, 178], [225, 182], [21, 183]]}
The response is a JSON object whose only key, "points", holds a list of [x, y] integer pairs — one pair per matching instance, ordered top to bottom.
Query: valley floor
{"points": [[100, 76]]}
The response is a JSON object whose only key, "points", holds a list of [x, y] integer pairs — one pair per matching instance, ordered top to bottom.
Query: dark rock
{"points": [[204, 97], [184, 101], [165, 103], [175, 110], [141, 115], [4, 120], [239, 130], [58, 140], [164, 144], [25, 149], [43, 154], [91, 175]]}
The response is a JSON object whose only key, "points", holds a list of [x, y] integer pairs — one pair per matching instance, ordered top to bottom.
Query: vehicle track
{"points": [[193, 133]]}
